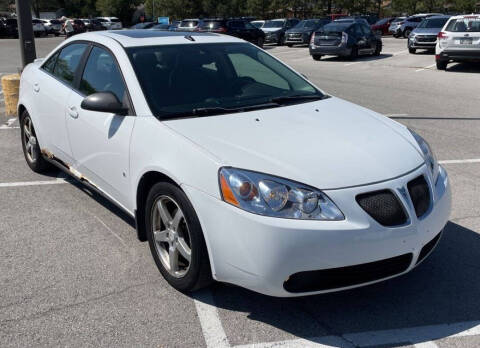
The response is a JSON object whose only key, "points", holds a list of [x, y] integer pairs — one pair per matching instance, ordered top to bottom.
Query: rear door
{"points": [[51, 89], [101, 141]]}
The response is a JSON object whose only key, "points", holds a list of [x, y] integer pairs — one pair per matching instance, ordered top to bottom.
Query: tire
{"points": [[407, 32], [56, 34], [281, 41], [260, 42], [290, 45], [378, 49], [412, 50], [353, 53], [316, 56], [442, 64], [31, 148], [182, 236]]}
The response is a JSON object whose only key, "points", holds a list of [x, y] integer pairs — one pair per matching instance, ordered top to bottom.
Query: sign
{"points": [[163, 20]]}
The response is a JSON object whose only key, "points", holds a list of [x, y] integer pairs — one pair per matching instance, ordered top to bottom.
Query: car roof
{"points": [[471, 15], [439, 17], [146, 37]]}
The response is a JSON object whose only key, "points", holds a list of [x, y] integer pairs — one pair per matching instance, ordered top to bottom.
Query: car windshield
{"points": [[382, 21], [309, 23], [433, 23], [258, 24], [274, 24], [466, 24], [240, 77]]}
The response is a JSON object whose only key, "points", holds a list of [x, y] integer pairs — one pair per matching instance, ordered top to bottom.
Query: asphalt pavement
{"points": [[72, 272]]}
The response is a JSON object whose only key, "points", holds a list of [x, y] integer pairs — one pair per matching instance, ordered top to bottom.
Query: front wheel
{"points": [[406, 33], [260, 42], [378, 49], [412, 50], [354, 53], [316, 56], [31, 148], [176, 238]]}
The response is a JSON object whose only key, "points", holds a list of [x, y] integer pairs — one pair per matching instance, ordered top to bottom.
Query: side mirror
{"points": [[104, 102]]}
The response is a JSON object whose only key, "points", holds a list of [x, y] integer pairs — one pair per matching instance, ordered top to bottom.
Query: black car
{"points": [[94, 25], [8, 27], [240, 28], [275, 29], [302, 32], [345, 38]]}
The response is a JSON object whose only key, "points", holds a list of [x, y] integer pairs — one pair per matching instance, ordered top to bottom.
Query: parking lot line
{"points": [[399, 52], [426, 67], [472, 160], [34, 183], [209, 320]]}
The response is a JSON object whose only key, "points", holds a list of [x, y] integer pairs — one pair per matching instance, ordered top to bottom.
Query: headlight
{"points": [[428, 155], [276, 197]]}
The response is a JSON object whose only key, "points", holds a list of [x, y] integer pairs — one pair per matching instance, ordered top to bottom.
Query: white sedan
{"points": [[235, 167]]}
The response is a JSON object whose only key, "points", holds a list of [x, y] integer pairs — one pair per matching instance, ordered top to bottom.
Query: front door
{"points": [[100, 141]]}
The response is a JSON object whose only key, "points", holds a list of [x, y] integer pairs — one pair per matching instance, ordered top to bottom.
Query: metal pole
{"points": [[25, 31]]}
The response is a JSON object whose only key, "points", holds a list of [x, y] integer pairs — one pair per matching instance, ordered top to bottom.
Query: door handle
{"points": [[36, 87], [72, 111]]}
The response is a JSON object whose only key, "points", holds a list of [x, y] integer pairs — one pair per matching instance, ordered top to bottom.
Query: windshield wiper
{"points": [[293, 98], [200, 112]]}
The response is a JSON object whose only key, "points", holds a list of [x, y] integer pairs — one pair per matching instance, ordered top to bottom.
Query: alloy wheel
{"points": [[29, 140], [171, 236]]}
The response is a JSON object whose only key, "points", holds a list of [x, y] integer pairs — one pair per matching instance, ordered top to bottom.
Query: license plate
{"points": [[465, 41]]}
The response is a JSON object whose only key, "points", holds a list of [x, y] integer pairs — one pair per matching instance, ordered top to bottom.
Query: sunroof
{"points": [[145, 33]]}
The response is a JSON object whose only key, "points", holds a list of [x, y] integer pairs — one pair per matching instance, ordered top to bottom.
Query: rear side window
{"points": [[68, 61], [101, 74]]}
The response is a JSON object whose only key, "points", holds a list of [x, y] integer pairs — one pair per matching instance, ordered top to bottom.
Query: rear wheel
{"points": [[407, 32], [290, 45], [378, 49], [354, 53], [316, 56], [442, 64], [31, 148], [176, 238]]}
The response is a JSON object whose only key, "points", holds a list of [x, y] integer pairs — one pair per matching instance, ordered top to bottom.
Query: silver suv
{"points": [[412, 22], [425, 35], [458, 41]]}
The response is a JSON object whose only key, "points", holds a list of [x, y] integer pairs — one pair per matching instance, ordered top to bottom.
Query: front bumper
{"points": [[272, 38], [304, 39], [421, 45], [330, 50], [262, 253]]}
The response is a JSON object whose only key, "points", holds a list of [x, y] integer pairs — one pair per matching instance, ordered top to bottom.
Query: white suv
{"points": [[111, 23], [458, 41]]}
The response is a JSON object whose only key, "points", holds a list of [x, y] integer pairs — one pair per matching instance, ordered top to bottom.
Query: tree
{"points": [[123, 9]]}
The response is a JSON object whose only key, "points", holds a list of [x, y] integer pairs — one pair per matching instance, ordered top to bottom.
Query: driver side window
{"points": [[101, 74]]}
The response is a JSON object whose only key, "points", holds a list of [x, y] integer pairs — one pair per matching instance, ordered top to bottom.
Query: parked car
{"points": [[371, 19], [352, 20], [412, 22], [110, 23], [258, 24], [93, 25], [144, 25], [189, 25], [53, 26], [79, 26], [381, 26], [395, 26], [164, 27], [235, 27], [38, 28], [275, 30], [302, 32], [425, 35], [345, 39], [458, 41], [211, 175]]}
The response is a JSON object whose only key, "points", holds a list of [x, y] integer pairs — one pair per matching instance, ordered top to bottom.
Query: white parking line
{"points": [[399, 52], [426, 67], [396, 115], [472, 160], [33, 183]]}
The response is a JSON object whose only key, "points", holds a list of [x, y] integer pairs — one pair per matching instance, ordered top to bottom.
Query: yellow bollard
{"points": [[10, 86]]}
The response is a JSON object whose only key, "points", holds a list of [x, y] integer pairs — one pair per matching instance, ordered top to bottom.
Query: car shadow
{"points": [[465, 67], [444, 289]]}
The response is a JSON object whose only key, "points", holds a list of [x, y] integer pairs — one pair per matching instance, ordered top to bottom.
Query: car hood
{"points": [[271, 30], [426, 31], [327, 144]]}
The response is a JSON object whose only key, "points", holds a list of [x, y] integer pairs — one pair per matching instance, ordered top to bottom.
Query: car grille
{"points": [[426, 38], [420, 195], [384, 207], [428, 247], [334, 278]]}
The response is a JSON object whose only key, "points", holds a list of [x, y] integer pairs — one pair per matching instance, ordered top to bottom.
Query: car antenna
{"points": [[189, 37]]}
